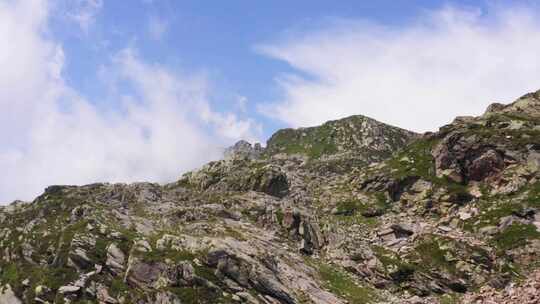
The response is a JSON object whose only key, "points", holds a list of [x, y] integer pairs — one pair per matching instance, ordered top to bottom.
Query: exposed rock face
{"points": [[527, 105], [356, 136], [244, 149], [463, 159], [240, 176], [271, 181], [353, 211], [115, 259], [143, 274]]}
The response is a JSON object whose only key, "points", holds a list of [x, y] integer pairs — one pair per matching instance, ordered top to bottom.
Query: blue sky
{"points": [[215, 38], [145, 90]]}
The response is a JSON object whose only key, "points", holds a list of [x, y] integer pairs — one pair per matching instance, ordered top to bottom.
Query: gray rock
{"points": [[243, 149], [402, 230], [489, 230], [78, 254], [115, 259], [144, 275], [69, 289], [7, 296], [103, 296], [166, 297], [247, 297]]}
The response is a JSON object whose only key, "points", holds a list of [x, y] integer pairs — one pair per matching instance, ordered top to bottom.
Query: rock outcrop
{"points": [[353, 211]]}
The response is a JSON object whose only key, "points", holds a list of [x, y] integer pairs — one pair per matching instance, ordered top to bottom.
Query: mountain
{"points": [[356, 136], [352, 211]]}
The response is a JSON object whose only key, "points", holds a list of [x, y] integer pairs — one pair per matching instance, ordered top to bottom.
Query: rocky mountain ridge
{"points": [[352, 211]]}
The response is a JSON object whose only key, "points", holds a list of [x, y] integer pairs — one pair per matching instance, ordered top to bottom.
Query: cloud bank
{"points": [[449, 62], [51, 134]]}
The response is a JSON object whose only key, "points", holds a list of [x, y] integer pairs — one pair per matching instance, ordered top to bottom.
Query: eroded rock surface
{"points": [[353, 211]]}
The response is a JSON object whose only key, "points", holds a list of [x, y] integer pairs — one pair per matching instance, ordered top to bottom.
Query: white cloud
{"points": [[84, 12], [157, 27], [419, 76], [241, 103], [50, 134]]}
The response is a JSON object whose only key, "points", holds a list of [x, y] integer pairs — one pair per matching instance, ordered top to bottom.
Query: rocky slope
{"points": [[353, 211]]}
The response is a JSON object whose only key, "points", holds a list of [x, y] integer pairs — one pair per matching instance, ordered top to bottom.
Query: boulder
{"points": [[463, 158], [533, 161], [446, 164], [487, 164], [78, 254], [115, 259], [144, 275], [248, 275], [69, 289], [7, 296]]}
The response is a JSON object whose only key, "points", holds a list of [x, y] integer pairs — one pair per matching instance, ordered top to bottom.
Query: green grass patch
{"points": [[518, 138], [313, 142], [415, 160], [533, 197], [354, 207], [496, 207], [348, 208], [349, 212], [491, 214], [279, 216], [234, 233], [516, 235], [174, 255], [434, 255], [397, 268], [14, 273], [207, 273], [9, 274], [341, 284], [118, 287], [200, 295], [450, 298]]}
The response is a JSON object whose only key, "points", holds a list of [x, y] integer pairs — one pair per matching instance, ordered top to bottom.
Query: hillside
{"points": [[352, 211]]}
